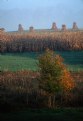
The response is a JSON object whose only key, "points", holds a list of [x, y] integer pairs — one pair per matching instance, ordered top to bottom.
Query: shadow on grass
{"points": [[44, 115]]}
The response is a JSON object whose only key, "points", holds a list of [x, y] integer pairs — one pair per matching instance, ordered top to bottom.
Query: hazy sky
{"points": [[40, 13]]}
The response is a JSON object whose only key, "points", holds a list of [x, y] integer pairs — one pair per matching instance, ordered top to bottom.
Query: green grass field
{"points": [[29, 60], [44, 115]]}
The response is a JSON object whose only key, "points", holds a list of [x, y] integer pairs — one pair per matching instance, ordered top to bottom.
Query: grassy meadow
{"points": [[29, 60]]}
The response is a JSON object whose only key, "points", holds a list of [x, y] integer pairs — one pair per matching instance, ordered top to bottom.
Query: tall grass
{"points": [[39, 41], [20, 89]]}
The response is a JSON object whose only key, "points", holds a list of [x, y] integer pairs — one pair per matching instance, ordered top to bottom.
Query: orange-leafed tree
{"points": [[54, 77]]}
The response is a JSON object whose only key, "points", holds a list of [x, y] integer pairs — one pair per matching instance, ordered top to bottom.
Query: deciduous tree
{"points": [[54, 77]]}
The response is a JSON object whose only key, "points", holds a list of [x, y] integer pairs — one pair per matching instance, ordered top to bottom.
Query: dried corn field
{"points": [[39, 41]]}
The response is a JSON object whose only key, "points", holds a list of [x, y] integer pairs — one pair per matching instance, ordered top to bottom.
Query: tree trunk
{"points": [[53, 101], [49, 102]]}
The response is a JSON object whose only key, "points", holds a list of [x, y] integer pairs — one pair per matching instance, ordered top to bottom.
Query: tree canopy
{"points": [[54, 76]]}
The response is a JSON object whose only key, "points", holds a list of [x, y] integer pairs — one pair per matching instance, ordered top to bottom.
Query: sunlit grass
{"points": [[28, 61]]}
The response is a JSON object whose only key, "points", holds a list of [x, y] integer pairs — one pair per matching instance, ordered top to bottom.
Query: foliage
{"points": [[53, 73], [54, 77], [20, 89]]}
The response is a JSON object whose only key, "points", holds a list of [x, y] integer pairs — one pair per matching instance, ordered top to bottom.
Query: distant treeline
{"points": [[39, 41]]}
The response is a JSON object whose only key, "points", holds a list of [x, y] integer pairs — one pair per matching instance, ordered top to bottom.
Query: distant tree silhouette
{"points": [[54, 27], [64, 27], [75, 27], [20, 28], [31, 28]]}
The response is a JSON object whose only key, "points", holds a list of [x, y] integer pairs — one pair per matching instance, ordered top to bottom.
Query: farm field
{"points": [[29, 60], [44, 115]]}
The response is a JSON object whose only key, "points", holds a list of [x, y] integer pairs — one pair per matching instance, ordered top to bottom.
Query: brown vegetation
{"points": [[39, 41], [20, 89]]}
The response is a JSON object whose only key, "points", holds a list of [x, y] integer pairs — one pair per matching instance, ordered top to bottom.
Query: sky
{"points": [[40, 13]]}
